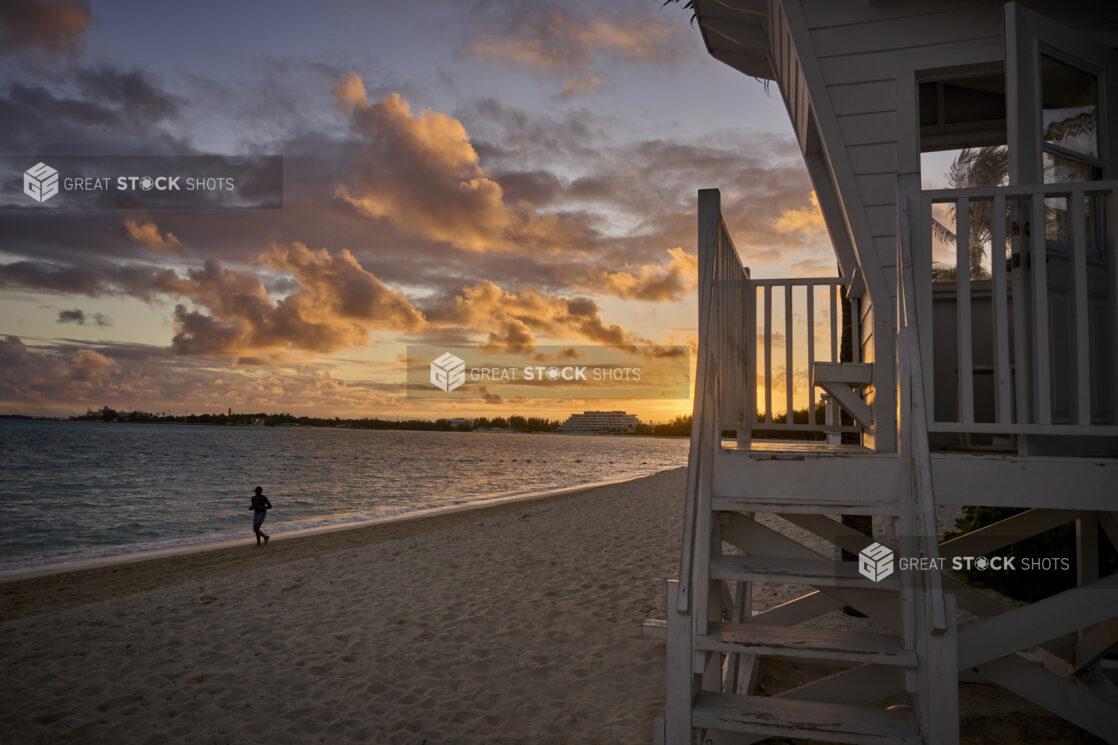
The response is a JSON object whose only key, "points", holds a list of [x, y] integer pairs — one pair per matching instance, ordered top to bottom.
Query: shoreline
{"points": [[49, 569]]}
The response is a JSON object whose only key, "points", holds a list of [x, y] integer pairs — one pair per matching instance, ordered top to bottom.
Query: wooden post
{"points": [[679, 677], [942, 683]]}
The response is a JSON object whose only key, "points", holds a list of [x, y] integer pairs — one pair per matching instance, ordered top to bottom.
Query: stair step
{"points": [[850, 373], [777, 504], [817, 572], [657, 628], [820, 644], [809, 720]]}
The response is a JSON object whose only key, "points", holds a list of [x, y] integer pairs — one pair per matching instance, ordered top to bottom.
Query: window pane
{"points": [[1071, 99], [1059, 170]]}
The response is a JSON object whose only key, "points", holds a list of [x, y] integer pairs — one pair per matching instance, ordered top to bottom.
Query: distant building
{"points": [[457, 423], [600, 423]]}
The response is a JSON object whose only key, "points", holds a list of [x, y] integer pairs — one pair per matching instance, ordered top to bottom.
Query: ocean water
{"points": [[73, 490]]}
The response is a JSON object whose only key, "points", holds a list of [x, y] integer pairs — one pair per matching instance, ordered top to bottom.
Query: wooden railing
{"points": [[737, 302], [761, 348], [726, 372], [1045, 378], [929, 616]]}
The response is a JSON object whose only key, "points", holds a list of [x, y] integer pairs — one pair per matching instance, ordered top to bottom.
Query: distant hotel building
{"points": [[600, 423]]}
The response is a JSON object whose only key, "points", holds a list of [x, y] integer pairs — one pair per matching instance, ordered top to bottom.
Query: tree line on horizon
{"points": [[680, 426]]}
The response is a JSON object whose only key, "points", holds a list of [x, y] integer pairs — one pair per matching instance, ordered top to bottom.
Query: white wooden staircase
{"points": [[897, 675]]}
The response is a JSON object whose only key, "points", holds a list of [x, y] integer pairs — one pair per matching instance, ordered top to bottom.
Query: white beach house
{"points": [[984, 371]]}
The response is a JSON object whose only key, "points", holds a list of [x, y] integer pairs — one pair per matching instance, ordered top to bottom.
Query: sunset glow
{"points": [[506, 175]]}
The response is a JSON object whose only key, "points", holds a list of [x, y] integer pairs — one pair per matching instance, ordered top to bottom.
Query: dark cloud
{"points": [[44, 25], [133, 93], [112, 113], [538, 187], [87, 276], [79, 317], [70, 376]]}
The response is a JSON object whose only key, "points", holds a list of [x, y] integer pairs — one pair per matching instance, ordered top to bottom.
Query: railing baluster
{"points": [[1109, 242], [1039, 268], [1079, 292], [963, 310], [1000, 313], [834, 324], [855, 330], [1022, 336], [810, 352], [768, 354], [751, 361], [788, 382]]}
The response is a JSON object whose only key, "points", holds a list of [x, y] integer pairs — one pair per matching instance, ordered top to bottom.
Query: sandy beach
{"points": [[513, 623], [509, 624]]}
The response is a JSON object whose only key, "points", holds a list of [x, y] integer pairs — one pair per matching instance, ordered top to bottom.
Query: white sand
{"points": [[511, 624]]}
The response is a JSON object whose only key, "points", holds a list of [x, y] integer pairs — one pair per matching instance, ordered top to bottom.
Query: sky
{"points": [[501, 175]]}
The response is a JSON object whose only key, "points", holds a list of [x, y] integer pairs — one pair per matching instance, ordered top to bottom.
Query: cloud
{"points": [[45, 25], [549, 36], [579, 85], [350, 90], [137, 96], [94, 111], [422, 175], [801, 220], [148, 234], [87, 276], [655, 282], [341, 286], [337, 305], [79, 317], [514, 318], [69, 376], [490, 398]]}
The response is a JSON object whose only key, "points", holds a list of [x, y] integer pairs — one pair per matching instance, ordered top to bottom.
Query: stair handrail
{"points": [[721, 277], [914, 421]]}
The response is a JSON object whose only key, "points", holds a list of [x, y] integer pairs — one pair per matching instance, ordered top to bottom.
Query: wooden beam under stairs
{"points": [[815, 572], [777, 717]]}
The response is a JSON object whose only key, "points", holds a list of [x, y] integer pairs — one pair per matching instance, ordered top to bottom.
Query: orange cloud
{"points": [[350, 90], [421, 173], [805, 221], [149, 235], [656, 282], [338, 285], [338, 303], [513, 319]]}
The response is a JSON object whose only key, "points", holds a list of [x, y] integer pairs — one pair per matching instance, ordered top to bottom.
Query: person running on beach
{"points": [[260, 507]]}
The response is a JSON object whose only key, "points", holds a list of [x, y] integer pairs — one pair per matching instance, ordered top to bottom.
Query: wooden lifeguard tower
{"points": [[983, 371]]}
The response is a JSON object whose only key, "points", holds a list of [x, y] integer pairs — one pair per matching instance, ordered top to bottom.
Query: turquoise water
{"points": [[73, 490]]}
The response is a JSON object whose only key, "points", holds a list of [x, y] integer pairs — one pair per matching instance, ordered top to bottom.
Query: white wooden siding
{"points": [[861, 49]]}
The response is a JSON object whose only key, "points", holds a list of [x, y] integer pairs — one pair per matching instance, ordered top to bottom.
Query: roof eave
{"points": [[735, 33]]}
